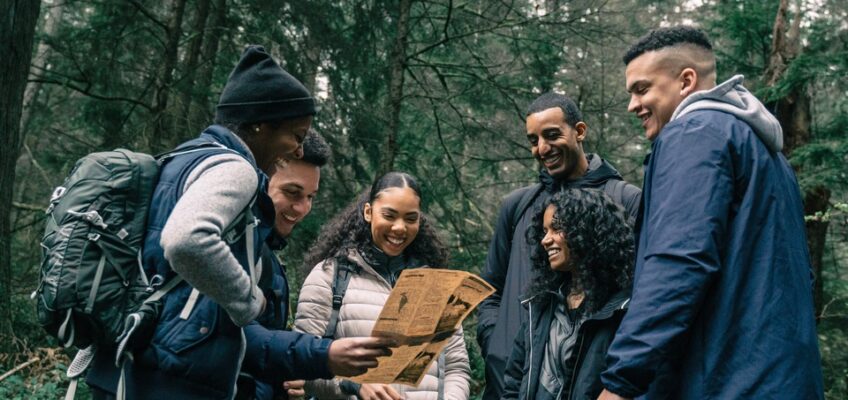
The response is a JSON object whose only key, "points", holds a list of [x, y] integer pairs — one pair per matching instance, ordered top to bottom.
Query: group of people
{"points": [[697, 286]]}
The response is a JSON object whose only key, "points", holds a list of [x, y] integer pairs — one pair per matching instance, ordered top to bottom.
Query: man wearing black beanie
{"points": [[259, 90], [266, 107], [209, 216]]}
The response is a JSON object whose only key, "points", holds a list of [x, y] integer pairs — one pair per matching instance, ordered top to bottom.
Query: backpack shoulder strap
{"points": [[614, 188], [617, 191], [527, 197], [342, 272], [266, 283]]}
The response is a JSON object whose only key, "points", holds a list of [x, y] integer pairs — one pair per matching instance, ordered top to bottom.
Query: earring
{"points": [[256, 128]]}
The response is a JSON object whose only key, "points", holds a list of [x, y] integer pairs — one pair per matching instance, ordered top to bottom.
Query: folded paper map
{"points": [[424, 310]]}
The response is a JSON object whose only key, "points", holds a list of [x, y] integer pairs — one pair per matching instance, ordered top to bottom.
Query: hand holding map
{"points": [[426, 307]]}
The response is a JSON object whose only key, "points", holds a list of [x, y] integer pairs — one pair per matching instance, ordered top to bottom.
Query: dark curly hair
{"points": [[667, 37], [316, 150], [348, 230], [600, 244]]}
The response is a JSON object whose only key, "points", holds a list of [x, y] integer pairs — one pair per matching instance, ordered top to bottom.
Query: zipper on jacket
{"points": [[242, 353], [576, 365], [530, 372], [559, 395]]}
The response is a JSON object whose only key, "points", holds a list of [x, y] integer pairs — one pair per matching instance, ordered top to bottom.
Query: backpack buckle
{"points": [[57, 193], [337, 300]]}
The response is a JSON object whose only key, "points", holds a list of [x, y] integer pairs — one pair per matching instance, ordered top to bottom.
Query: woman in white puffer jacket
{"points": [[378, 236]]}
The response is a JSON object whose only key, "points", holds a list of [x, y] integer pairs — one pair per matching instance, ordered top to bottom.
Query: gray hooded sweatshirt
{"points": [[731, 97]]}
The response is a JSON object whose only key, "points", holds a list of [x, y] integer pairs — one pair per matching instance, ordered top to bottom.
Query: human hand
{"points": [[354, 356], [294, 389], [377, 391], [607, 395]]}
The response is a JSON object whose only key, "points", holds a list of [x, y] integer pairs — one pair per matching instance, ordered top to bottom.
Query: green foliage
{"points": [[471, 69], [833, 323], [47, 385]]}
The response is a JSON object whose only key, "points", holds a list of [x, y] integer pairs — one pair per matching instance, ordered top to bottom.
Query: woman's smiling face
{"points": [[395, 217], [554, 242]]}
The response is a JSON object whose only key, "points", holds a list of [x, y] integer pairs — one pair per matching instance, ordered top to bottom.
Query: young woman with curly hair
{"points": [[378, 236], [582, 257]]}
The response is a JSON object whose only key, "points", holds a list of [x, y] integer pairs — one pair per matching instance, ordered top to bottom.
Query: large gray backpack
{"points": [[92, 277]]}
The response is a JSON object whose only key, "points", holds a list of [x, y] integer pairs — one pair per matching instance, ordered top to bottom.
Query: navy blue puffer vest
{"points": [[197, 357]]}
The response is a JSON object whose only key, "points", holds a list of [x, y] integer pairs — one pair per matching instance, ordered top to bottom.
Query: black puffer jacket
{"points": [[587, 361]]}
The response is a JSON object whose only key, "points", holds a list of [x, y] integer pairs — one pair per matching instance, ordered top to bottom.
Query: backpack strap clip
{"points": [[342, 272]]}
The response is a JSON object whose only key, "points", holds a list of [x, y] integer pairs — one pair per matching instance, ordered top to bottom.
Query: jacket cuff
{"points": [[254, 308], [321, 350], [622, 390]]}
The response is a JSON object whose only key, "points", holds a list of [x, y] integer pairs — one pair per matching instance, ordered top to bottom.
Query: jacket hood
{"points": [[731, 97], [599, 172]]}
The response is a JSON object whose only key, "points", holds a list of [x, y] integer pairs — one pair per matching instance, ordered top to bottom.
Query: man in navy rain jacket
{"points": [[723, 287], [274, 353]]}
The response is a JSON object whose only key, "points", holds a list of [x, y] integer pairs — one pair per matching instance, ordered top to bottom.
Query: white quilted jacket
{"points": [[364, 299]]}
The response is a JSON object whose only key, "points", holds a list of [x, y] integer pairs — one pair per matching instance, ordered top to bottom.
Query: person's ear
{"points": [[688, 81], [581, 129], [366, 212]]}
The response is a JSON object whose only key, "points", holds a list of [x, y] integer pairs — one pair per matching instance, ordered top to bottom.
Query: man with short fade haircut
{"points": [[556, 131], [722, 289], [274, 353]]}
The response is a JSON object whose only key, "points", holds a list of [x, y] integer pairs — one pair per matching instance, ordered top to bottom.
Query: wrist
{"points": [[349, 388]]}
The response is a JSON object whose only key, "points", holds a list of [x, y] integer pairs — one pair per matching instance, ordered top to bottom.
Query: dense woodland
{"points": [[437, 88]]}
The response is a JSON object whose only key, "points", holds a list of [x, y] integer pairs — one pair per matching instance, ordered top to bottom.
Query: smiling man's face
{"points": [[655, 91], [556, 144], [292, 188]]}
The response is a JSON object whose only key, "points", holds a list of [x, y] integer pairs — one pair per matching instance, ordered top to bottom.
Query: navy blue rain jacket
{"points": [[723, 286], [275, 355]]}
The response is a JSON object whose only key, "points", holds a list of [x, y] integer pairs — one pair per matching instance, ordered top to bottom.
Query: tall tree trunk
{"points": [[16, 36], [313, 58], [39, 62], [397, 68], [31, 96], [201, 106], [793, 112], [187, 127], [163, 135]]}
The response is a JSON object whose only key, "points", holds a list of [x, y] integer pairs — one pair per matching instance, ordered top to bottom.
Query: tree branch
{"points": [[149, 15], [87, 92], [27, 207], [18, 368]]}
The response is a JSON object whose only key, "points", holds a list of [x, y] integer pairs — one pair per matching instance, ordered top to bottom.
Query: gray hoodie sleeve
{"points": [[215, 194]]}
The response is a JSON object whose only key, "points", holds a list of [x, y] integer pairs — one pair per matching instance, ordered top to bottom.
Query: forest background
{"points": [[437, 88]]}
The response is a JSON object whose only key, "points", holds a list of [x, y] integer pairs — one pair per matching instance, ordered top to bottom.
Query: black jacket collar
{"points": [[598, 174]]}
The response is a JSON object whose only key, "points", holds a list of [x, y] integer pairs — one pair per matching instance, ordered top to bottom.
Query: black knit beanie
{"points": [[259, 90]]}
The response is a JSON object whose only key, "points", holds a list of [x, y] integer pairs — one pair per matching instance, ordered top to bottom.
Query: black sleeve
{"points": [[495, 270], [515, 368]]}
